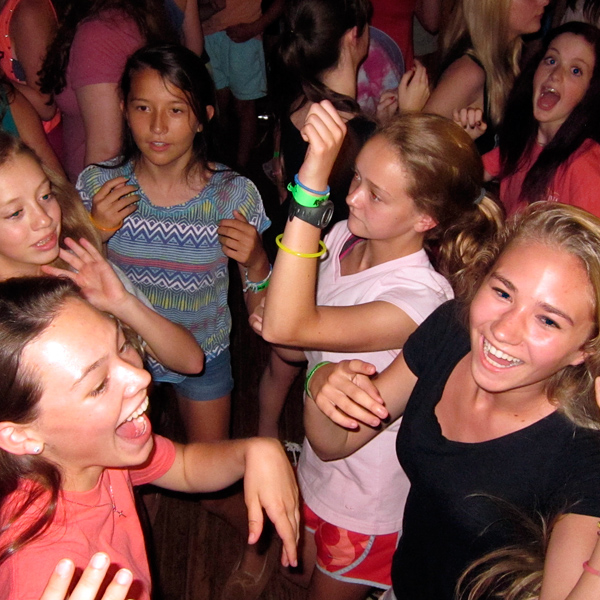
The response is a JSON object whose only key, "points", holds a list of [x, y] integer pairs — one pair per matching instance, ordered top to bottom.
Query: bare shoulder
{"points": [[460, 86]]}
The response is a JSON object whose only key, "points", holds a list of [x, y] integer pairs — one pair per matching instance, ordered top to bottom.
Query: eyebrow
{"points": [[142, 99], [547, 307], [95, 365]]}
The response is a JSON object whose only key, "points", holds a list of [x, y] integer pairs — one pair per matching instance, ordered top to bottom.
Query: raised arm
{"points": [[460, 86], [292, 317], [169, 343], [269, 482]]}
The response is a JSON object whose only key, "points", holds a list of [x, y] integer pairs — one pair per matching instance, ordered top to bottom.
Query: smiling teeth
{"points": [[45, 240], [489, 349], [140, 411]]}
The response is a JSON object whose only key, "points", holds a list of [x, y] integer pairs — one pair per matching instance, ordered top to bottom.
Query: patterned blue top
{"points": [[173, 253]]}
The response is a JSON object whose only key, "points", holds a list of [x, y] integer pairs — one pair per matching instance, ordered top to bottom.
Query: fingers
{"points": [[324, 128], [113, 202], [348, 396], [255, 521], [90, 582]]}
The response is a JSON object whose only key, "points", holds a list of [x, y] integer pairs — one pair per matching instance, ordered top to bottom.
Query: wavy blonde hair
{"points": [[485, 24], [577, 232]]}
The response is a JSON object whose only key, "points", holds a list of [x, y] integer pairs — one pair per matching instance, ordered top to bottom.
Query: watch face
{"points": [[327, 216]]}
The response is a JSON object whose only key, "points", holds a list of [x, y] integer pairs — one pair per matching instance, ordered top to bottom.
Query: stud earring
{"points": [[37, 450]]}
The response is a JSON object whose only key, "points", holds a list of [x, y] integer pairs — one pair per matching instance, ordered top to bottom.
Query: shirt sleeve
{"points": [[101, 48], [491, 162], [252, 206], [441, 328], [160, 461]]}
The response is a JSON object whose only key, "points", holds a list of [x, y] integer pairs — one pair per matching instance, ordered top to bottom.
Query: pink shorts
{"points": [[349, 556]]}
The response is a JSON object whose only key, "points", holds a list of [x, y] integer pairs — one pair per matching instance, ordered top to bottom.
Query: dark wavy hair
{"points": [[149, 15], [310, 45], [184, 70], [518, 130], [27, 307]]}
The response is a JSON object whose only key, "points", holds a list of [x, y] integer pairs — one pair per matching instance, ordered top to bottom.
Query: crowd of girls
{"points": [[433, 330]]}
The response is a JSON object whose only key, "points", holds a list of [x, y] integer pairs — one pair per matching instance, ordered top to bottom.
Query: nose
{"points": [[158, 123], [355, 195], [40, 218], [509, 326], [135, 378]]}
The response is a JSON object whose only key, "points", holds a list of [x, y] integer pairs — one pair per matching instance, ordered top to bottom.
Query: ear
{"points": [[210, 112], [425, 223], [579, 358], [19, 439]]}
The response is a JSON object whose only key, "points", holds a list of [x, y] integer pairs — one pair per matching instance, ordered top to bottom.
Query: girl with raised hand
{"points": [[481, 46], [549, 139], [417, 181], [40, 212], [189, 215], [496, 390], [75, 438]]}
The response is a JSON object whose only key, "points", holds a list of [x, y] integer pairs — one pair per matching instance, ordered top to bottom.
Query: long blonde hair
{"points": [[485, 24], [75, 219]]}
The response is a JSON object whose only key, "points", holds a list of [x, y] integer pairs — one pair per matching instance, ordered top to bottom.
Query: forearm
{"points": [[290, 308], [169, 343], [326, 438]]}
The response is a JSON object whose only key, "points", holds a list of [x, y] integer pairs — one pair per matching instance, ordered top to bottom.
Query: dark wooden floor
{"points": [[195, 551]]}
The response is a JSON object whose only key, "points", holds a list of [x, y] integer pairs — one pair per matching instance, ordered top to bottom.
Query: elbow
{"points": [[278, 335], [195, 362]]}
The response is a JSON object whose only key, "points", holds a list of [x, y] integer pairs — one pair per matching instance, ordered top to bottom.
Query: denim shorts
{"points": [[239, 67], [214, 382]]}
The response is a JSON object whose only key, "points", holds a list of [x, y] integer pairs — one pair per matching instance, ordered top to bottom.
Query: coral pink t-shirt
{"points": [[98, 54], [577, 181], [366, 491], [86, 523]]}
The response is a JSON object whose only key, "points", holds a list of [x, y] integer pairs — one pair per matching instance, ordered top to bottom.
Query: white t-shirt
{"points": [[366, 492]]}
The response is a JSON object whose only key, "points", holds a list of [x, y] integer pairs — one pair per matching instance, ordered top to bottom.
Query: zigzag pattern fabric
{"points": [[172, 254]]}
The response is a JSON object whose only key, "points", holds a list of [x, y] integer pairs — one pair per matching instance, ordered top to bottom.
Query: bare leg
{"points": [[273, 389], [205, 421], [323, 587]]}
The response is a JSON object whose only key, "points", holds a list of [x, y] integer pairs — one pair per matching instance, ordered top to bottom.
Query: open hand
{"points": [[92, 273]]}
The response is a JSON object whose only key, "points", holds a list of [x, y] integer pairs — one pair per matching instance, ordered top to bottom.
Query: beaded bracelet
{"points": [[108, 229], [301, 254], [256, 286], [310, 376]]}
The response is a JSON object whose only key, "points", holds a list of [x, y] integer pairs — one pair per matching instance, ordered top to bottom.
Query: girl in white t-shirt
{"points": [[417, 181]]}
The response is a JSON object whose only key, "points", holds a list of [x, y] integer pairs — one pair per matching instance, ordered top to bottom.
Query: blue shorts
{"points": [[239, 67], [214, 382]]}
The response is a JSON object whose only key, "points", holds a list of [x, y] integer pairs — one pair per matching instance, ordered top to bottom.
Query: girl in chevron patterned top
{"points": [[189, 215]]}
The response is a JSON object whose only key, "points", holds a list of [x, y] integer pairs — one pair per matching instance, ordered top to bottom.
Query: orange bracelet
{"points": [[108, 229]]}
